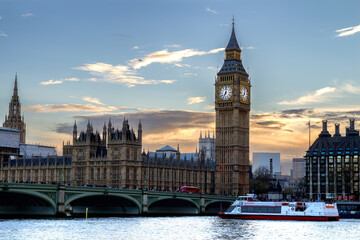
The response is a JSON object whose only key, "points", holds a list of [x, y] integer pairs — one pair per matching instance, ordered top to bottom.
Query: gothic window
{"points": [[127, 154], [135, 155], [105, 173], [116, 173], [79, 174], [92, 174], [98, 174], [20, 175], [68, 175], [44, 176], [52, 176]]}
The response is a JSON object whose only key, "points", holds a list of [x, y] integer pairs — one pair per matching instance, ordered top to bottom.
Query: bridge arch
{"points": [[29, 202], [103, 204], [173, 205], [215, 206]]}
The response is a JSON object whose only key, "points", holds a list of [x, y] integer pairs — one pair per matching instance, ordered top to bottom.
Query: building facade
{"points": [[232, 105], [14, 120], [207, 145], [114, 159], [269, 160], [332, 164], [298, 170]]}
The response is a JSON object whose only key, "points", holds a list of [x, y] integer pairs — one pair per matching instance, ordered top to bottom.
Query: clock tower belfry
{"points": [[232, 105]]}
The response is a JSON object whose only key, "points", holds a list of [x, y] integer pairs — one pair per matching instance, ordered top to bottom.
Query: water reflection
{"points": [[175, 228]]}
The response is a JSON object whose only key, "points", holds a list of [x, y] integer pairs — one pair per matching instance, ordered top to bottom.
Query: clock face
{"points": [[225, 92], [244, 93]]}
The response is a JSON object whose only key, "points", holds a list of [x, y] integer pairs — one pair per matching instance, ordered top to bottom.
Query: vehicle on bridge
{"points": [[187, 189]]}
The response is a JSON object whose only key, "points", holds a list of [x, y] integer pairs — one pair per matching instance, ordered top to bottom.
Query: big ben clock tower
{"points": [[232, 105]]}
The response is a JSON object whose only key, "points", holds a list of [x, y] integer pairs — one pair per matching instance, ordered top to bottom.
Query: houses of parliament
{"points": [[115, 157]]}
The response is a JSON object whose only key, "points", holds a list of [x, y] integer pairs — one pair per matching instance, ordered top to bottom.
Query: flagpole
{"points": [[309, 134]]}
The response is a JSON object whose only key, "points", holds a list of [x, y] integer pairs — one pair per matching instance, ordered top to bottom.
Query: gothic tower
{"points": [[232, 105], [14, 119]]}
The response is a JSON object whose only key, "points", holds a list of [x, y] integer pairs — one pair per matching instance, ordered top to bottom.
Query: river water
{"points": [[175, 228]]}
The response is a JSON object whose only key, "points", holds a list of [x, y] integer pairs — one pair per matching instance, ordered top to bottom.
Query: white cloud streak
{"points": [[211, 10], [27, 15], [348, 31], [2, 34], [172, 46], [164, 56], [119, 74], [60, 81], [51, 82], [324, 94], [92, 100], [193, 100], [51, 108]]}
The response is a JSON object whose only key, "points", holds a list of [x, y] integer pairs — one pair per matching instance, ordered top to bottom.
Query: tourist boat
{"points": [[245, 207], [349, 209]]}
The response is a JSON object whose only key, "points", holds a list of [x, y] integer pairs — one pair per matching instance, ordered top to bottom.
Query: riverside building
{"points": [[332, 164]]}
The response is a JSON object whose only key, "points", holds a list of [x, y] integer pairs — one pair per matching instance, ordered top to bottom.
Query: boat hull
{"points": [[277, 217]]}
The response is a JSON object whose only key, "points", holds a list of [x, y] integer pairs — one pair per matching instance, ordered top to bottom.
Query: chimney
{"points": [[352, 124], [324, 126], [337, 130], [325, 132]]}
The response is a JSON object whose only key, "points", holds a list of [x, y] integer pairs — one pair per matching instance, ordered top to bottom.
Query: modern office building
{"points": [[268, 160], [332, 164], [298, 170]]}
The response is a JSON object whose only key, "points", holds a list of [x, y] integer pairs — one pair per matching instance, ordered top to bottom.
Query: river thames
{"points": [[175, 228]]}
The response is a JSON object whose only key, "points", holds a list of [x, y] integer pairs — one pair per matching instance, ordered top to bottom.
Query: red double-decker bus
{"points": [[190, 189]]}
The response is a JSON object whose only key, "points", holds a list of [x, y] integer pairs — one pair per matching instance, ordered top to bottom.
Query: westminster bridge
{"points": [[21, 199]]}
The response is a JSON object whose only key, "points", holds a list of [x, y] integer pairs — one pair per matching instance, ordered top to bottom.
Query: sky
{"points": [[157, 61]]}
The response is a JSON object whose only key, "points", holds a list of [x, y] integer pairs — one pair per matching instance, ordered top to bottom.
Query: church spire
{"points": [[233, 44], [233, 63], [15, 87], [14, 119]]}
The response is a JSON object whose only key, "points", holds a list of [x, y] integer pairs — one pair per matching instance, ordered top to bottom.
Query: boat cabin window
{"points": [[248, 199], [254, 209]]}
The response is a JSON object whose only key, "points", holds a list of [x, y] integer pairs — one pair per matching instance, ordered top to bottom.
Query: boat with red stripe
{"points": [[246, 207]]}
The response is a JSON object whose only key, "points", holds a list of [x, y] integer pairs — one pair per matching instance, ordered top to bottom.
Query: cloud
{"points": [[211, 10], [28, 15], [1, 17], [348, 31], [2, 34], [172, 46], [136, 47], [251, 48], [164, 56], [119, 74], [190, 74], [71, 79], [93, 80], [52, 82], [324, 94], [320, 95], [92, 100], [193, 100], [51, 108], [160, 127], [63, 128]]}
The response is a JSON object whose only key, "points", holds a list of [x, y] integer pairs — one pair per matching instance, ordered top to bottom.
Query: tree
{"points": [[260, 183], [300, 188]]}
